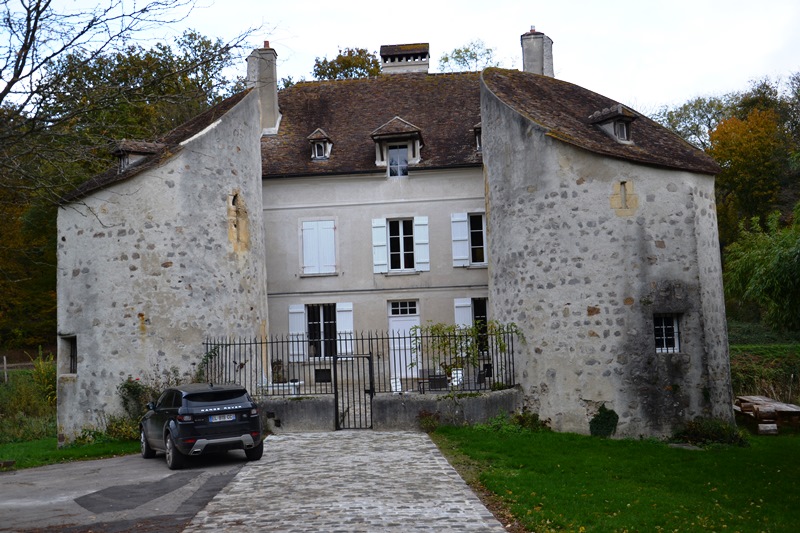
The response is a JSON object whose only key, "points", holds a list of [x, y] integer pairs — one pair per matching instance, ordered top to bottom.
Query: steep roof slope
{"points": [[444, 107], [563, 110], [169, 144]]}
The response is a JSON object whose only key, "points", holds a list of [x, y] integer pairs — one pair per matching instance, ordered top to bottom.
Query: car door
{"points": [[155, 419]]}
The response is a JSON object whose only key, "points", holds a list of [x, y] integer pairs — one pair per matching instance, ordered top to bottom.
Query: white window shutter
{"points": [[459, 224], [327, 246], [380, 252], [422, 254], [311, 258], [463, 311], [344, 328], [297, 332]]}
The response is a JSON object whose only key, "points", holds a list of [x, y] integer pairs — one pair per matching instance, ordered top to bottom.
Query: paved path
{"points": [[347, 481]]}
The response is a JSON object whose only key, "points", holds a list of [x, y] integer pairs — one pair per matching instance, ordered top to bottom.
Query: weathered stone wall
{"points": [[584, 251], [148, 267]]}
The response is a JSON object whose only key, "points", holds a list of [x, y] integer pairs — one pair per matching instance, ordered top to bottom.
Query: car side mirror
{"points": [[151, 406]]}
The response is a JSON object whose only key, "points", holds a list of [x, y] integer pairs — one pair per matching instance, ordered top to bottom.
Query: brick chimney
{"points": [[537, 53], [262, 75]]}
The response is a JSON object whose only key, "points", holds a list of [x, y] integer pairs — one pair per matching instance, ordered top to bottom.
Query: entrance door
{"points": [[402, 317]]}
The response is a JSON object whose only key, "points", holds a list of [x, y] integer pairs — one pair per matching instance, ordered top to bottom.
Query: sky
{"points": [[643, 53]]}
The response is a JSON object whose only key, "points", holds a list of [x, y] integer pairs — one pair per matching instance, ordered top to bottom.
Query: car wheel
{"points": [[147, 451], [255, 453], [175, 459]]}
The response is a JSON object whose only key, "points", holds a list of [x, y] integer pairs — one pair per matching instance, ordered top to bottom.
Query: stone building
{"points": [[388, 202]]}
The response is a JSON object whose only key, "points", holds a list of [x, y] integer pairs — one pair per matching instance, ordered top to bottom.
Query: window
{"points": [[621, 130], [319, 150], [398, 160], [469, 239], [400, 245], [319, 247], [403, 308], [473, 312], [320, 330], [667, 333], [69, 355]]}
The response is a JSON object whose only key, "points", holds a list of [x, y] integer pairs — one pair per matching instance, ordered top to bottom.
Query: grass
{"points": [[46, 452], [559, 481]]}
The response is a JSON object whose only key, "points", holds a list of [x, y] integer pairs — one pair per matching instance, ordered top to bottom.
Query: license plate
{"points": [[221, 418]]}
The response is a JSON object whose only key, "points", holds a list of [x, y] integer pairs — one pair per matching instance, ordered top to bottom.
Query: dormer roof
{"points": [[397, 128]]}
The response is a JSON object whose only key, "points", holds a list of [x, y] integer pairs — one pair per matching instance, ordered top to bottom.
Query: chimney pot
{"points": [[266, 44]]}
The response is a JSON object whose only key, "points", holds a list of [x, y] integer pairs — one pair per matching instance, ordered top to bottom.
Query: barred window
{"points": [[667, 333]]}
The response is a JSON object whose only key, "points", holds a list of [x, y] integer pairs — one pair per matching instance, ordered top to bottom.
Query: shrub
{"points": [[45, 377], [428, 421], [514, 423], [604, 423], [707, 431]]}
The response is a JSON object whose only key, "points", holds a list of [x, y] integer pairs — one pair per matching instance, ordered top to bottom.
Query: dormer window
{"points": [[616, 122], [476, 129], [621, 130], [321, 145], [397, 146], [131, 152], [398, 160]]}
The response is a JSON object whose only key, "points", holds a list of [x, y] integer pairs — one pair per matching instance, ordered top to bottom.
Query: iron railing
{"points": [[282, 365]]}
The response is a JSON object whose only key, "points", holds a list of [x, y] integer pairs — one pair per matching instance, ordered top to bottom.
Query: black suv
{"points": [[201, 418]]}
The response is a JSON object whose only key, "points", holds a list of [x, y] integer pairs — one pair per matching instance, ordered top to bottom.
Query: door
{"points": [[403, 316]]}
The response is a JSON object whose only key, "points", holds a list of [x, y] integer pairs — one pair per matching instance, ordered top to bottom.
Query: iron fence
{"points": [[285, 366]]}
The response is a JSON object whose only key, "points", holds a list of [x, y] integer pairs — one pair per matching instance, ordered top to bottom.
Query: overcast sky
{"points": [[644, 53]]}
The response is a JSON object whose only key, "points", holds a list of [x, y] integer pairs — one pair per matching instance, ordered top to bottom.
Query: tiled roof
{"points": [[444, 107], [567, 112], [160, 150]]}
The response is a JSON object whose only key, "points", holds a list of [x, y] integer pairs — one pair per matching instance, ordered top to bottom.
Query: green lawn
{"points": [[46, 451], [558, 481]]}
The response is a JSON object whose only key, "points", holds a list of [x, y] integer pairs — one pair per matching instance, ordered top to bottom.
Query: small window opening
{"points": [[622, 130], [623, 194], [667, 333]]}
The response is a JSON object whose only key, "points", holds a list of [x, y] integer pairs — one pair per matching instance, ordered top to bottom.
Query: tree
{"points": [[37, 38], [473, 56], [350, 63], [70, 84], [696, 119], [752, 155], [762, 267]]}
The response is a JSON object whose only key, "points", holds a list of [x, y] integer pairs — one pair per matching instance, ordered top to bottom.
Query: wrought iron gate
{"points": [[353, 389]]}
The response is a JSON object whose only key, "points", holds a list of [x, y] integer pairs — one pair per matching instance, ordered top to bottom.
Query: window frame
{"points": [[400, 169], [462, 235], [382, 243], [318, 247], [667, 336], [302, 338]]}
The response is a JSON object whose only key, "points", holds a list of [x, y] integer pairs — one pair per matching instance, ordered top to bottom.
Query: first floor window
{"points": [[468, 239], [400, 245], [319, 246], [667, 333]]}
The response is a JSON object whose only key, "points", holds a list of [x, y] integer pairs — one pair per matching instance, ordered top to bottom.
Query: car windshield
{"points": [[204, 398]]}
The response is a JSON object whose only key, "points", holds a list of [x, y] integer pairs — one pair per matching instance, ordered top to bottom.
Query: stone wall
{"points": [[585, 251], [149, 266]]}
